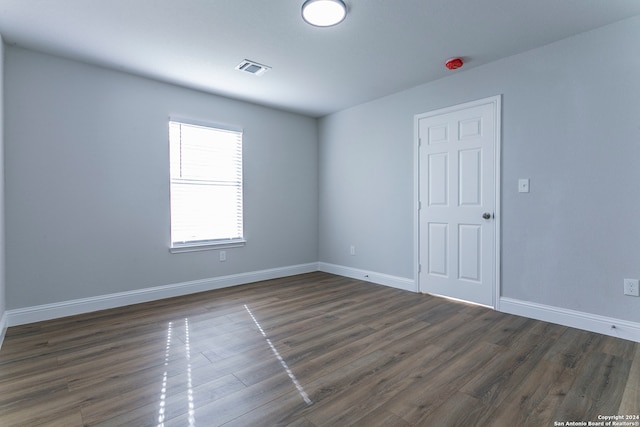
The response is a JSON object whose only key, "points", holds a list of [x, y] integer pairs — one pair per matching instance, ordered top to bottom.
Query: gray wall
{"points": [[571, 123], [87, 195], [2, 204], [87, 208]]}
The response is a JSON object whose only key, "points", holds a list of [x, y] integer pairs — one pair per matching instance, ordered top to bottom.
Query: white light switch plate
{"points": [[523, 185]]}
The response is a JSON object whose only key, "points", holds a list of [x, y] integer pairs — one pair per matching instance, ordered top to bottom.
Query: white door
{"points": [[458, 201]]}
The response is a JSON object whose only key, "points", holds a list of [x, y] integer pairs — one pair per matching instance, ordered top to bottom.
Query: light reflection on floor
{"points": [[291, 375], [165, 377], [163, 390], [192, 408]]}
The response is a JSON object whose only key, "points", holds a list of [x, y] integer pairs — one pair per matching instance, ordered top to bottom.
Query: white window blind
{"points": [[206, 185]]}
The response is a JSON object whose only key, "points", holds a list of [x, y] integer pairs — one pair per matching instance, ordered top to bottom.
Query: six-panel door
{"points": [[457, 198]]}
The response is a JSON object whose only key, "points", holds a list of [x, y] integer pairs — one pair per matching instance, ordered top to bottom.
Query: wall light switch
{"points": [[523, 185]]}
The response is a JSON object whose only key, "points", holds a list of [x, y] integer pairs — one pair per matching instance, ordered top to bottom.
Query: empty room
{"points": [[319, 213]]}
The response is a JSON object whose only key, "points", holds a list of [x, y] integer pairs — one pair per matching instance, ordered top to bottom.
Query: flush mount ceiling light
{"points": [[324, 13]]}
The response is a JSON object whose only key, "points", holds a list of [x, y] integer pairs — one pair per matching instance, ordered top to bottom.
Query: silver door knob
{"points": [[486, 215]]}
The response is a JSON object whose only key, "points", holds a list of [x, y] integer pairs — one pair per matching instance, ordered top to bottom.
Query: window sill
{"points": [[209, 246]]}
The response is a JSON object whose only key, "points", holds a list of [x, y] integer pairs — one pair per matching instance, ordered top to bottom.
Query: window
{"points": [[206, 186]]}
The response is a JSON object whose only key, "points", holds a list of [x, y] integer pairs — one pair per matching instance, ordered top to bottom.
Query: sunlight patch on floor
{"points": [[275, 351], [165, 377]]}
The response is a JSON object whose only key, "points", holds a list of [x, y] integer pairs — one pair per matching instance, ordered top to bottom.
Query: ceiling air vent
{"points": [[252, 67]]}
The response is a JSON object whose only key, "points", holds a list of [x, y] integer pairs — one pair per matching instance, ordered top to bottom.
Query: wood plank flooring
{"points": [[312, 350]]}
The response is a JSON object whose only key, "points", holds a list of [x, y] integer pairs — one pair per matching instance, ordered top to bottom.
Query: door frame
{"points": [[496, 101]]}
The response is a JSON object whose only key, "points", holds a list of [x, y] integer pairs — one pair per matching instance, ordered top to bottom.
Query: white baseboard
{"points": [[369, 276], [40, 313], [575, 319], [3, 327]]}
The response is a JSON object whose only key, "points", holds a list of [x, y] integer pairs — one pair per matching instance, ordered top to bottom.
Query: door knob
{"points": [[486, 215]]}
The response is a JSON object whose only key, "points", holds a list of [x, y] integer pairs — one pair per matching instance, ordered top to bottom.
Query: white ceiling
{"points": [[382, 47]]}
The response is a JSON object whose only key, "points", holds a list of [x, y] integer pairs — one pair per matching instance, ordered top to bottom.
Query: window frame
{"points": [[203, 245]]}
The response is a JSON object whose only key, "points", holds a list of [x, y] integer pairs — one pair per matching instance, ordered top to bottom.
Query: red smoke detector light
{"points": [[454, 63]]}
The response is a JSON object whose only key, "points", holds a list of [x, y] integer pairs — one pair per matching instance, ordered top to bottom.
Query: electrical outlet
{"points": [[523, 185], [223, 256], [632, 287]]}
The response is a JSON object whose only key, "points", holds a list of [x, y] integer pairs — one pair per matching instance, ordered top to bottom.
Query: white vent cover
{"points": [[252, 67]]}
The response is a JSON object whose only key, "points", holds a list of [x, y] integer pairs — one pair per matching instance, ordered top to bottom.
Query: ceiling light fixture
{"points": [[324, 13]]}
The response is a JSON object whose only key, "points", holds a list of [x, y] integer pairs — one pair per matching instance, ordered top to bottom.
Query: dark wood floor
{"points": [[311, 350]]}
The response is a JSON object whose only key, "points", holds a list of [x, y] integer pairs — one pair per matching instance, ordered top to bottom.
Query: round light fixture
{"points": [[324, 13]]}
